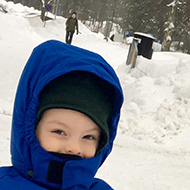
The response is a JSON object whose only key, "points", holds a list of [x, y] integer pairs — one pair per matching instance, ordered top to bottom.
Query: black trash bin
{"points": [[145, 44]]}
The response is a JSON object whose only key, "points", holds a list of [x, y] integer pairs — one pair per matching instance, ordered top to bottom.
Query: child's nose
{"points": [[73, 148]]}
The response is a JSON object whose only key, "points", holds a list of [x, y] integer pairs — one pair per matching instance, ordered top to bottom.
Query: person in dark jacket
{"points": [[71, 25], [66, 112]]}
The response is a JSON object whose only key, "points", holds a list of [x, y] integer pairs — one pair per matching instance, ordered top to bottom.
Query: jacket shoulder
{"points": [[69, 18], [7, 171], [10, 179], [100, 184]]}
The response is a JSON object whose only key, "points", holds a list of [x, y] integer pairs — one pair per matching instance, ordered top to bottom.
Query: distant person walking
{"points": [[71, 25]]}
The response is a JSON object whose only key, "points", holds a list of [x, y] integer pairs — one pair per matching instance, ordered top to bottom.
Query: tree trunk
{"points": [[170, 27]]}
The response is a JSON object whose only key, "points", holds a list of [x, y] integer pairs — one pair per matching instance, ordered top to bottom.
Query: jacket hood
{"points": [[48, 61]]}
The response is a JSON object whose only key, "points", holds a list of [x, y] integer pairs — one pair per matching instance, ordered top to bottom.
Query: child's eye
{"points": [[60, 132], [89, 137]]}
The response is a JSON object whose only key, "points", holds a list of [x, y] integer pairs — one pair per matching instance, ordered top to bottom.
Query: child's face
{"points": [[68, 132]]}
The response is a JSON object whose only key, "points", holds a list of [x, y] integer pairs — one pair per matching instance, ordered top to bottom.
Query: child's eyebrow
{"points": [[58, 122], [65, 125], [94, 129]]}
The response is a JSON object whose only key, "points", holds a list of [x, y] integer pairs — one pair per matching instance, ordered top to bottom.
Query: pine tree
{"points": [[170, 26]]}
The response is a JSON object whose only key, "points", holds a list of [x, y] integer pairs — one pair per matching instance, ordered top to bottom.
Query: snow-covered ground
{"points": [[152, 148]]}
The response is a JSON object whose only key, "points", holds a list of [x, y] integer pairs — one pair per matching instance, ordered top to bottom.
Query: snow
{"points": [[174, 3], [145, 35], [152, 149]]}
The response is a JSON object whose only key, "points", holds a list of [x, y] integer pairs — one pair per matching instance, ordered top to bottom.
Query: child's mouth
{"points": [[66, 156]]}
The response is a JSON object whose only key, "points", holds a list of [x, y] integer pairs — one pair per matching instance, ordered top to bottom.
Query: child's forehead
{"points": [[69, 119]]}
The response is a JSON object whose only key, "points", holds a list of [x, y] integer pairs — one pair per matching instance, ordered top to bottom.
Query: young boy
{"points": [[65, 118]]}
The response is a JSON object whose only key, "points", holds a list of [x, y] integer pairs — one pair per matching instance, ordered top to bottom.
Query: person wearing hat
{"points": [[71, 25], [65, 119]]}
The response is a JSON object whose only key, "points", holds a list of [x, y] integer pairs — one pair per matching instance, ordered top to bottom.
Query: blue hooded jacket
{"points": [[32, 165]]}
